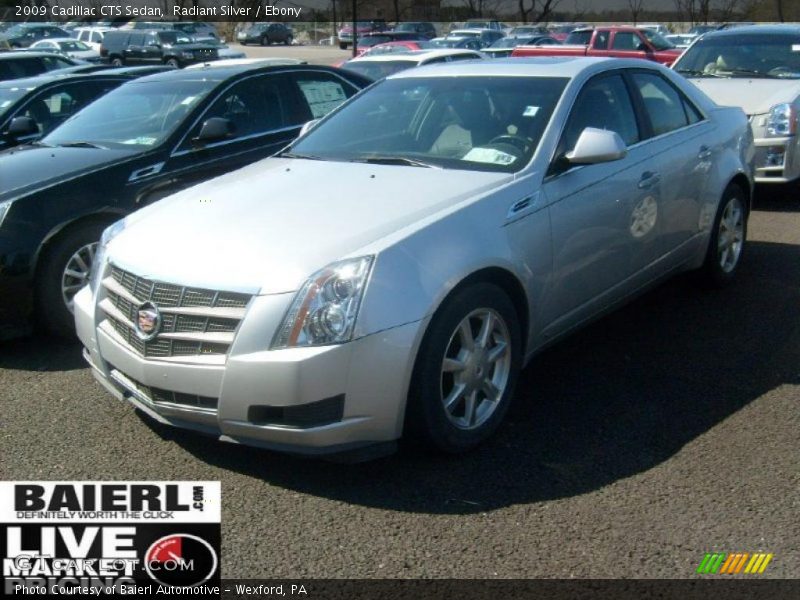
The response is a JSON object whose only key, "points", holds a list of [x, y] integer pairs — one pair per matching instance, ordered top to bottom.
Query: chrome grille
{"points": [[194, 321], [161, 396]]}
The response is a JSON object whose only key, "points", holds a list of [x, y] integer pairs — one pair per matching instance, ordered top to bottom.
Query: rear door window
{"points": [[322, 92], [664, 105]]}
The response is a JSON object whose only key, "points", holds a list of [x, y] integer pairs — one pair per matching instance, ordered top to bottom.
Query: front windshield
{"points": [[406, 27], [15, 31], [656, 39], [373, 40], [507, 43], [76, 46], [746, 55], [378, 69], [9, 96], [138, 115], [468, 123]]}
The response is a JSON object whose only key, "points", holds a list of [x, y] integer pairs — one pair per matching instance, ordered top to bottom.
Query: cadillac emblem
{"points": [[148, 321]]}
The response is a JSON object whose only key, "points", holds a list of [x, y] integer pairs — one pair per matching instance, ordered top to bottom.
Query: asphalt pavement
{"points": [[664, 431]]}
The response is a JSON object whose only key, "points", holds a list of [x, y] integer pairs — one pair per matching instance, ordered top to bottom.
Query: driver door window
{"points": [[604, 103]]}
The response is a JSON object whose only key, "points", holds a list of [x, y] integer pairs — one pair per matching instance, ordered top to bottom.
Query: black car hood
{"points": [[27, 168]]}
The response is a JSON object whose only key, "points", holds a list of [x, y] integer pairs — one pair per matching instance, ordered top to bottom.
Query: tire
{"points": [[287, 41], [342, 46], [117, 62], [173, 62], [728, 239], [56, 286], [446, 369]]}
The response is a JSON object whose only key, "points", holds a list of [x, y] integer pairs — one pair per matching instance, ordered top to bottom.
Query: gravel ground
{"points": [[666, 430]]}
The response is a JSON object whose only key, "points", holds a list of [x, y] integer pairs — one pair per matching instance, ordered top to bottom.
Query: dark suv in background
{"points": [[424, 29], [266, 34], [134, 47]]}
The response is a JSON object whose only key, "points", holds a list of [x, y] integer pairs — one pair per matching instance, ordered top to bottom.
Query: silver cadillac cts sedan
{"points": [[391, 271]]}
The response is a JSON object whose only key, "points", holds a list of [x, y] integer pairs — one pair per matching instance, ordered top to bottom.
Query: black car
{"points": [[424, 29], [266, 34], [23, 35], [169, 47], [16, 65], [31, 108], [142, 141]]}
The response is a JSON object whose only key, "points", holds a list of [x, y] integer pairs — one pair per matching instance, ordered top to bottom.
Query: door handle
{"points": [[705, 153], [648, 180]]}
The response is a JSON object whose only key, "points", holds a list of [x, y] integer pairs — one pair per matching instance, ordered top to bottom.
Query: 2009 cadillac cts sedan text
{"points": [[392, 270]]}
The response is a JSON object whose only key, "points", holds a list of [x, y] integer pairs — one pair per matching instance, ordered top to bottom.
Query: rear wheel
{"points": [[342, 46], [117, 62], [173, 62], [728, 236], [65, 269], [466, 370]]}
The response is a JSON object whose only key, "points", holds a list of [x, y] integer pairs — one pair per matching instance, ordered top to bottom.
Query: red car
{"points": [[346, 32], [619, 42]]}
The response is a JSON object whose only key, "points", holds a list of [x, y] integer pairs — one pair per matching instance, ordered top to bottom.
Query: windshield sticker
{"points": [[188, 100], [5, 103], [530, 111], [141, 141], [489, 155]]}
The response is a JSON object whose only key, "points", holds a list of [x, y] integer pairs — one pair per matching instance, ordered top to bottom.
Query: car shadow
{"points": [[777, 197], [41, 353], [618, 398]]}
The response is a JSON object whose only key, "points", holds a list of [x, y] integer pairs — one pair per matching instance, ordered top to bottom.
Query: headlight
{"points": [[187, 54], [782, 120], [4, 206], [98, 263], [325, 309]]}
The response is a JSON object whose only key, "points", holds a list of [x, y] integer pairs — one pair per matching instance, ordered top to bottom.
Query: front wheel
{"points": [[288, 40], [117, 62], [173, 62], [728, 236], [65, 269], [466, 370]]}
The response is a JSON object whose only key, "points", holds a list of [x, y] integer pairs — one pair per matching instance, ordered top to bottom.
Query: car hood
{"points": [[754, 96], [27, 168], [269, 226]]}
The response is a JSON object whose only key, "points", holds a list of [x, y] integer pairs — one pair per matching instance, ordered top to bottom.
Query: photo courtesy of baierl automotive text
{"points": [[331, 298]]}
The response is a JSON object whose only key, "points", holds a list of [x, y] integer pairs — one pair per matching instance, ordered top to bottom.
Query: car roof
{"points": [[755, 29], [464, 30], [58, 39], [26, 54], [414, 55], [245, 62], [550, 66], [209, 72], [57, 76]]}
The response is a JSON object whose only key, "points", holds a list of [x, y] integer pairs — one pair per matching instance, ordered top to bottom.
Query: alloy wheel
{"points": [[730, 236], [76, 273]]}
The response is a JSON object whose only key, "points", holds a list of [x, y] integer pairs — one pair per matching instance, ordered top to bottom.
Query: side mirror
{"points": [[23, 126], [308, 126], [213, 130], [597, 146]]}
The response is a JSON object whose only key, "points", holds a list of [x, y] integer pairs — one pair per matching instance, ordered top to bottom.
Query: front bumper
{"points": [[322, 400]]}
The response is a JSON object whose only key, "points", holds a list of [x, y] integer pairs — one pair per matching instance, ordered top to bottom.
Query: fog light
{"points": [[775, 157]]}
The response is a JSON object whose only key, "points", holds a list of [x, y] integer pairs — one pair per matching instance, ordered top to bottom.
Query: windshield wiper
{"points": [[696, 73], [751, 73], [81, 145], [298, 155], [395, 160]]}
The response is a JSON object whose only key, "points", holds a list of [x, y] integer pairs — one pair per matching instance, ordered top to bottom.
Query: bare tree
{"points": [[636, 9], [779, 9], [544, 10]]}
